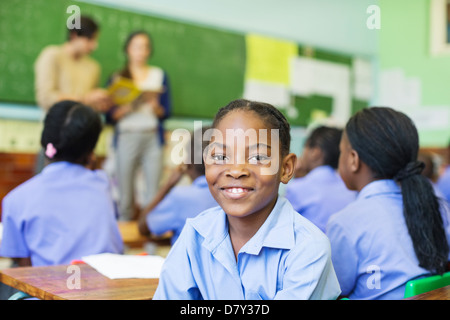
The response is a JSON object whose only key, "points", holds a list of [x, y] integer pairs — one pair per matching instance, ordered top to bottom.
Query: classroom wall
{"points": [[335, 25], [404, 50]]}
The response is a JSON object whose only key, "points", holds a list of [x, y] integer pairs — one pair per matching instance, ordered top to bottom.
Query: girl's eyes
{"points": [[218, 158], [254, 159], [258, 159]]}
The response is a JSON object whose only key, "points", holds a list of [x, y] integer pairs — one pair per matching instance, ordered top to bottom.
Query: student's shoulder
{"points": [[99, 175], [24, 190], [354, 214], [303, 228], [309, 239]]}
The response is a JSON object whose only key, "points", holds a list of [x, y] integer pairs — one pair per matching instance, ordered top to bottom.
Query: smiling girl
{"points": [[254, 245]]}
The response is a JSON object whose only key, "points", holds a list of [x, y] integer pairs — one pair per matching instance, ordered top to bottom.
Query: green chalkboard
{"points": [[205, 66]]}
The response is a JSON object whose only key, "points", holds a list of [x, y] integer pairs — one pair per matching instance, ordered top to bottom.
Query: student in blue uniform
{"points": [[321, 192], [174, 204], [65, 212], [395, 230], [255, 245]]}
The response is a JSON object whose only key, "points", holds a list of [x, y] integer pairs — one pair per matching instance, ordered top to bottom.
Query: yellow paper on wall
{"points": [[268, 59]]}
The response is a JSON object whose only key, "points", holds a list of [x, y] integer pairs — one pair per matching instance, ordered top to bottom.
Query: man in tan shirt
{"points": [[67, 72]]}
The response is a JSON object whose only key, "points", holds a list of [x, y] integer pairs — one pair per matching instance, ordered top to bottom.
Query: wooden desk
{"points": [[130, 234], [133, 239], [50, 283], [438, 294]]}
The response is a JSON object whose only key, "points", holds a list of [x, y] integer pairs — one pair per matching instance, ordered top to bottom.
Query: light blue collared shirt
{"points": [[319, 194], [181, 203], [62, 214], [372, 250], [287, 258]]}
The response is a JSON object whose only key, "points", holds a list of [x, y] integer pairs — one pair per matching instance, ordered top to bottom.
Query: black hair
{"points": [[88, 28], [125, 72], [271, 115], [73, 129], [326, 139], [387, 142]]}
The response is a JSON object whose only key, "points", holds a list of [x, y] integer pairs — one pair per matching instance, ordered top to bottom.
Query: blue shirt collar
{"points": [[379, 187], [276, 232]]}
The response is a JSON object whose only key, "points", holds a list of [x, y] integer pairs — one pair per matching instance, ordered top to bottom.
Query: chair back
{"points": [[422, 285]]}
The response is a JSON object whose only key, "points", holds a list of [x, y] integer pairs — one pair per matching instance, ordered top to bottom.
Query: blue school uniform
{"points": [[444, 183], [319, 194], [181, 203], [64, 213], [372, 250], [287, 258]]}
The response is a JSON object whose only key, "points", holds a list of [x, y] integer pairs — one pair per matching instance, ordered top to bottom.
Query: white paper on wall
{"points": [[325, 78], [362, 79], [273, 93]]}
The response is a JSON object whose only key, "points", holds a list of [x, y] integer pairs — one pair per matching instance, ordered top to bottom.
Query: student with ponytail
{"points": [[396, 230]]}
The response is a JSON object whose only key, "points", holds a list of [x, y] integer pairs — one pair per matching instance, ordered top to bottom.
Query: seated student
{"points": [[429, 171], [443, 182], [321, 192], [174, 204], [65, 212], [395, 230], [255, 245]]}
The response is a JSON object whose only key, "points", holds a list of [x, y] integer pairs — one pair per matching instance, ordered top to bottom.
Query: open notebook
{"points": [[119, 266]]}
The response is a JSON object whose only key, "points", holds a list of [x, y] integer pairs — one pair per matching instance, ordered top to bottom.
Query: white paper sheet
{"points": [[117, 266]]}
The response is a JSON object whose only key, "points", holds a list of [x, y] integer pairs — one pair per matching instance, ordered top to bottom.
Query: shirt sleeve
{"points": [[46, 71], [163, 217], [13, 242], [344, 256], [309, 273], [176, 281]]}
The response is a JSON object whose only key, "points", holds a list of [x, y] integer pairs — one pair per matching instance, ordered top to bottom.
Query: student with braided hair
{"points": [[396, 230], [254, 245]]}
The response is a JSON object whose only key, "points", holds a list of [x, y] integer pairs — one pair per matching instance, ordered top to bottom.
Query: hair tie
{"points": [[50, 151], [411, 169]]}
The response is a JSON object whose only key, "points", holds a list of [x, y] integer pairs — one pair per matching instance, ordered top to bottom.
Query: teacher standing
{"points": [[139, 125]]}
